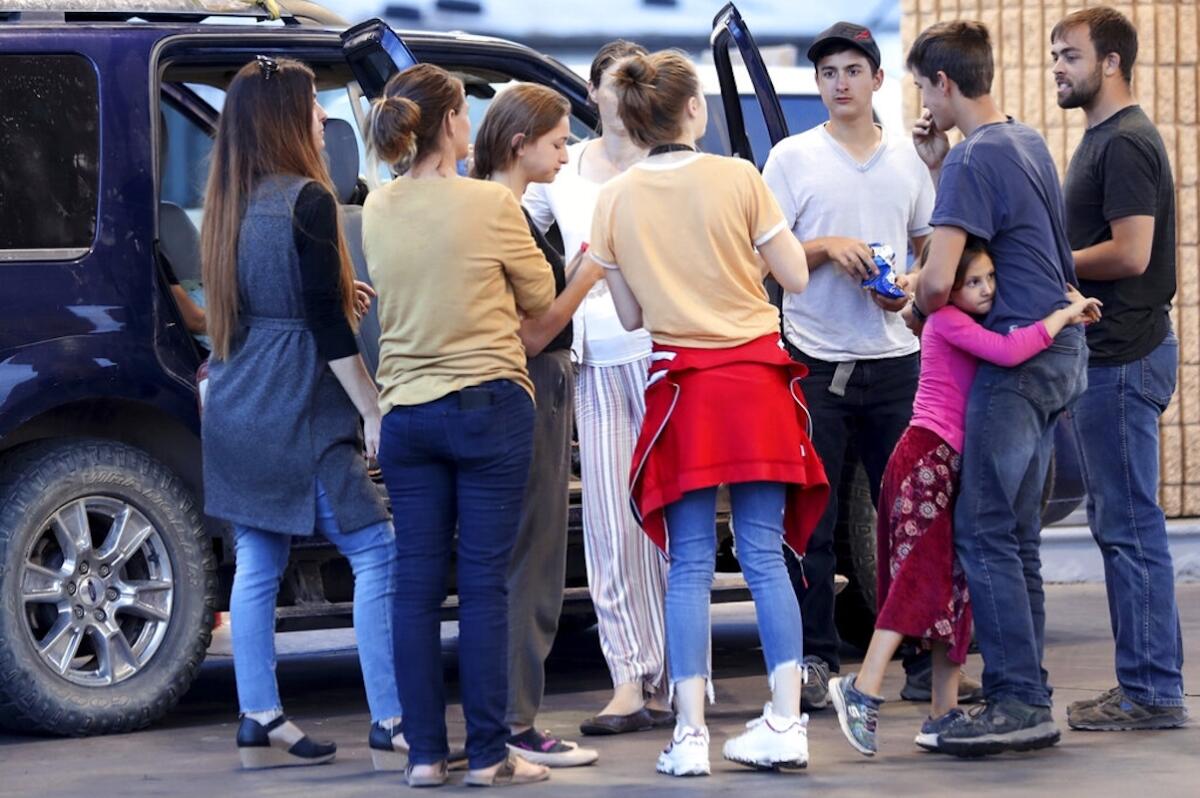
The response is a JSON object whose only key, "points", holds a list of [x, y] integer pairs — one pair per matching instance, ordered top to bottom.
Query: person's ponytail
{"points": [[653, 92], [406, 122], [392, 130]]}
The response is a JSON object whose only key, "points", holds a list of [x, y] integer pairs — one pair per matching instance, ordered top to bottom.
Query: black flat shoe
{"points": [[663, 718], [642, 720], [279, 744], [389, 751]]}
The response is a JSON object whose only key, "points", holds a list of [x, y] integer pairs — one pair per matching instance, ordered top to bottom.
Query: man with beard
{"points": [[1120, 201]]}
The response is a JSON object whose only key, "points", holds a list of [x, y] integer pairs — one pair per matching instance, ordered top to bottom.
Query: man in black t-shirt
{"points": [[1120, 200]]}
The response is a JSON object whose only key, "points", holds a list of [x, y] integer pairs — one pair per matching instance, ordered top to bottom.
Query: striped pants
{"points": [[627, 574]]}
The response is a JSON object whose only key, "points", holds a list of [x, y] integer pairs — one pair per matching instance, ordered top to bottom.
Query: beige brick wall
{"points": [[1165, 81]]}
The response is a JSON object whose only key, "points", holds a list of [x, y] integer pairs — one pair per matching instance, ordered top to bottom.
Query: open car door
{"points": [[729, 30], [375, 53]]}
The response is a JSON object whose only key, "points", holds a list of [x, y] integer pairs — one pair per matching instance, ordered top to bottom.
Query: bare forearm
{"points": [[816, 252], [1106, 261], [931, 294], [352, 373]]}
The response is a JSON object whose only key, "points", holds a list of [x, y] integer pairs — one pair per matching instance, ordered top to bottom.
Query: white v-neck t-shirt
{"points": [[823, 191], [600, 339]]}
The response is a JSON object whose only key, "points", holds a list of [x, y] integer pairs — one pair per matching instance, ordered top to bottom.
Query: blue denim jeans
{"points": [[1011, 414], [1116, 423], [461, 460], [758, 538], [261, 558]]}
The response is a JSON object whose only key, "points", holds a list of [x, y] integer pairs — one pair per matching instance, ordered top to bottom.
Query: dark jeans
{"points": [[1011, 415], [869, 419], [1116, 423], [462, 459]]}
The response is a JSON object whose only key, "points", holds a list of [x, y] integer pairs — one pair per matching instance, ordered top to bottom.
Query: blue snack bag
{"points": [[884, 283]]}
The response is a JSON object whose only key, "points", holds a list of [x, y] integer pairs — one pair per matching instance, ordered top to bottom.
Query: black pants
{"points": [[866, 414]]}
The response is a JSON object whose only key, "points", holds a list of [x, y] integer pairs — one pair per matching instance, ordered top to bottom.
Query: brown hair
{"points": [[1110, 31], [960, 48], [610, 54], [653, 91], [525, 109], [405, 123], [265, 128], [972, 249]]}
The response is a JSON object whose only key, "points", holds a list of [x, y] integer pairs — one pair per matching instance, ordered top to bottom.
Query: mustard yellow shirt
{"points": [[683, 233], [452, 260]]}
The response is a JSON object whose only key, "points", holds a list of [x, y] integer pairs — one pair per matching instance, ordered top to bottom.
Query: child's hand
{"points": [[1082, 310]]}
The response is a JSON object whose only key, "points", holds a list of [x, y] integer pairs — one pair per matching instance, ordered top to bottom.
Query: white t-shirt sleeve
{"points": [[775, 174], [537, 202], [922, 207]]}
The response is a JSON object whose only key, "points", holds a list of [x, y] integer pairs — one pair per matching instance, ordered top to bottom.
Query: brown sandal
{"points": [[505, 775], [435, 779]]}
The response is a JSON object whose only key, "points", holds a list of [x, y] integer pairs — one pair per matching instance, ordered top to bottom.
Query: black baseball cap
{"points": [[844, 33]]}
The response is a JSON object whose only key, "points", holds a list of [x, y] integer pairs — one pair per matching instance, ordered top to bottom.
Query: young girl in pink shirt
{"points": [[921, 586]]}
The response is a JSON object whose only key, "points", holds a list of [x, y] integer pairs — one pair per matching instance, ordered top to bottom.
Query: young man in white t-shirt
{"points": [[844, 185]]}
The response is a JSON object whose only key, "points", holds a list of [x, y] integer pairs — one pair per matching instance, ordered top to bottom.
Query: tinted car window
{"points": [[49, 152]]}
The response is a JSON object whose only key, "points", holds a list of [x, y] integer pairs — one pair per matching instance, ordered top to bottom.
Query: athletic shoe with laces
{"points": [[814, 695], [1082, 703], [1115, 711], [858, 713], [998, 726], [929, 736], [771, 742], [542, 749], [687, 754]]}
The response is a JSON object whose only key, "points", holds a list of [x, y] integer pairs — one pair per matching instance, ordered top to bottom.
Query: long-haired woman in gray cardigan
{"points": [[283, 456]]}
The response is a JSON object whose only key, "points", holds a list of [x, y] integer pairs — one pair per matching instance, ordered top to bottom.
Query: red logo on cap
{"points": [[862, 35]]}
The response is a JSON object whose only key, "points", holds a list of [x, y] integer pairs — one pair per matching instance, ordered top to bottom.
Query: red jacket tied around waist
{"points": [[720, 416]]}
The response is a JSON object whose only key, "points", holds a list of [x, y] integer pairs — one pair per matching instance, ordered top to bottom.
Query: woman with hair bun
{"points": [[521, 141], [687, 240], [455, 268], [626, 576]]}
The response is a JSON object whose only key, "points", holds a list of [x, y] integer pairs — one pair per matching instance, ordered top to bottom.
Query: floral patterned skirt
{"points": [[922, 588]]}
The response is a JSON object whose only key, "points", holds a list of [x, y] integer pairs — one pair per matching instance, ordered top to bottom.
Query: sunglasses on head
{"points": [[267, 66]]}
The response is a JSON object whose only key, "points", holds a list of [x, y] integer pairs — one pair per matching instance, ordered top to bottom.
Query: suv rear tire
{"points": [[854, 543], [107, 588]]}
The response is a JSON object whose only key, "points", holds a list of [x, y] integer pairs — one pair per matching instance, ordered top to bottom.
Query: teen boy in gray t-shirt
{"points": [[843, 185]]}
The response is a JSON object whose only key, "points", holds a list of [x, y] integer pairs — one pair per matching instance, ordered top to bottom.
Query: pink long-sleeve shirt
{"points": [[952, 344]]}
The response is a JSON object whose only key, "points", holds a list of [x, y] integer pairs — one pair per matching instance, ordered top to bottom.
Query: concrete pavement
{"points": [[192, 753]]}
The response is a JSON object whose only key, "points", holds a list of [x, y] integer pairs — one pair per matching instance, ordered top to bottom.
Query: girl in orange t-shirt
{"points": [[681, 235]]}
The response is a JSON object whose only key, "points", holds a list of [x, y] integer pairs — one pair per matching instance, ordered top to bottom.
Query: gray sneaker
{"points": [[814, 695], [1114, 711], [858, 714], [999, 726]]}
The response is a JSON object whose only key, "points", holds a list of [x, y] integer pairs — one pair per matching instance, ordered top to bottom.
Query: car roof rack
{"points": [[290, 12]]}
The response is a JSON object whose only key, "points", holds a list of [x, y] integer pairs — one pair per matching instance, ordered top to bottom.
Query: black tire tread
{"points": [[24, 706]]}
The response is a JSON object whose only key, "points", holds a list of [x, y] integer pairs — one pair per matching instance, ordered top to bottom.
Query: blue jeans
{"points": [[1011, 414], [1116, 423], [459, 460], [758, 537], [261, 558]]}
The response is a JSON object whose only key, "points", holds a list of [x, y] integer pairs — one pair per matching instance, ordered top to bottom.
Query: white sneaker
{"points": [[771, 742], [687, 755]]}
